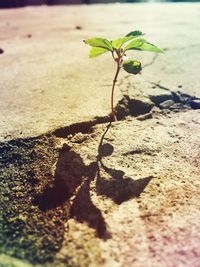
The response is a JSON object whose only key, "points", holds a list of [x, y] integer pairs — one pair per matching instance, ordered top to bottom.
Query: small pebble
{"points": [[78, 27], [29, 35], [1, 51], [167, 104], [145, 116]]}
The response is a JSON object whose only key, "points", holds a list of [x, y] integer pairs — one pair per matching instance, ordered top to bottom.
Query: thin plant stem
{"points": [[114, 118]]}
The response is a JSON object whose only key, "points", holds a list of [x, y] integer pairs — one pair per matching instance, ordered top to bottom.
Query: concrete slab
{"points": [[48, 81]]}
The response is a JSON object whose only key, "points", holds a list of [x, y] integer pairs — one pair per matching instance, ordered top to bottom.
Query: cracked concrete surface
{"points": [[48, 81], [85, 193], [114, 195]]}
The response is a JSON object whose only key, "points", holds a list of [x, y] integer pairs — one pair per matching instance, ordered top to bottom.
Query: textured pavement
{"points": [[48, 81]]}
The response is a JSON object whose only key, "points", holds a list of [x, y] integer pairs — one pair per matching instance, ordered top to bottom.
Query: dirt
{"points": [[25, 169], [101, 194]]}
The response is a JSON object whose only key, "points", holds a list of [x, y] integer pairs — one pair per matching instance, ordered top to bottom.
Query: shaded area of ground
{"points": [[27, 232]]}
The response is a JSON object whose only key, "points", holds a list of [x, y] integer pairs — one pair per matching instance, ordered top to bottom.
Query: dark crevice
{"points": [[176, 96], [128, 106], [125, 107], [80, 127], [140, 151]]}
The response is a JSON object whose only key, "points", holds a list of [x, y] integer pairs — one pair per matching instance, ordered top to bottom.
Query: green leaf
{"points": [[135, 34], [99, 42], [117, 43], [135, 44], [143, 45], [150, 47], [97, 51], [132, 66]]}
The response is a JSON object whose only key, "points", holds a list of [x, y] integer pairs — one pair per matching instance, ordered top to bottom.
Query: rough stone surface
{"points": [[48, 81], [129, 186], [84, 192]]}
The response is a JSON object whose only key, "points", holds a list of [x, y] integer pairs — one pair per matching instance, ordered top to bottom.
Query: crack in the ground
{"points": [[154, 58], [160, 86], [173, 101], [83, 127], [26, 176]]}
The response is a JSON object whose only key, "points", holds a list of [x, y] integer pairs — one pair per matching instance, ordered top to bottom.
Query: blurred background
{"points": [[20, 3]]}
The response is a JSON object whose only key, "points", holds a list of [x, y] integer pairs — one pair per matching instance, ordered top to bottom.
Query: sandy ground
{"points": [[77, 191]]}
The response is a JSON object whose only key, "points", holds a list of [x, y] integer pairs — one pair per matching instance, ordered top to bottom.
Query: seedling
{"points": [[118, 49]]}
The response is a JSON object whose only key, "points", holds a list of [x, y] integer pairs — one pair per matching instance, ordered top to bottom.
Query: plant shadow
{"points": [[72, 182], [116, 185]]}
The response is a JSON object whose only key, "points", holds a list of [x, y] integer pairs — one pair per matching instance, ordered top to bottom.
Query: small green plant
{"points": [[118, 49]]}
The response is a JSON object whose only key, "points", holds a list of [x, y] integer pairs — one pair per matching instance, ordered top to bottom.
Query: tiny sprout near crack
{"points": [[118, 48]]}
